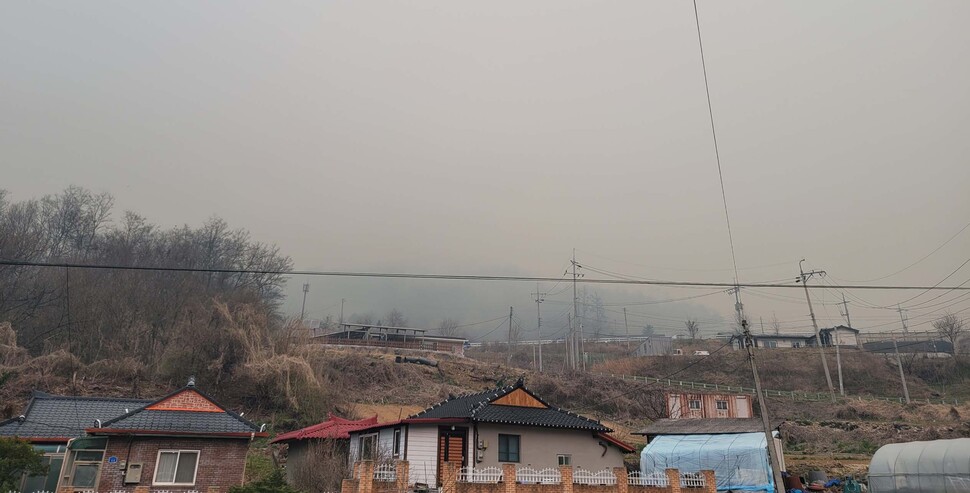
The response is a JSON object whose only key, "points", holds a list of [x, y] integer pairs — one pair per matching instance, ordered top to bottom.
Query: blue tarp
{"points": [[739, 460]]}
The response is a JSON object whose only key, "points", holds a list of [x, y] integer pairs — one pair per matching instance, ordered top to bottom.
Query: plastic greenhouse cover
{"points": [[739, 460], [938, 465]]}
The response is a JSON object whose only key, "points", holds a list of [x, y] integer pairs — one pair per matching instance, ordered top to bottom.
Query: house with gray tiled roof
{"points": [[509, 424], [183, 440]]}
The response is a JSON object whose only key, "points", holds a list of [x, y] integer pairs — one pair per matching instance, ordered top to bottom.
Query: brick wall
{"points": [[187, 400], [222, 462], [364, 483]]}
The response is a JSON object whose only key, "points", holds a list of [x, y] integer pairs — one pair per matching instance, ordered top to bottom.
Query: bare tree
{"points": [[395, 318], [775, 324], [449, 327], [692, 327], [950, 327]]}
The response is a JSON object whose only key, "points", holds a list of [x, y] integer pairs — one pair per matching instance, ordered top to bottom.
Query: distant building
{"points": [[840, 334], [387, 336], [654, 346], [701, 405]]}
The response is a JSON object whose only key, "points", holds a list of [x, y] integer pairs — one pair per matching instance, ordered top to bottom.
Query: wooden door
{"points": [[452, 447]]}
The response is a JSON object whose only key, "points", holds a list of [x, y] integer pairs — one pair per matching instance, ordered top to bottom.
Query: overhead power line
{"points": [[462, 277]]}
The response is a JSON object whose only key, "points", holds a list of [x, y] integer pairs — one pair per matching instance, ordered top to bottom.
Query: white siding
{"points": [[422, 454]]}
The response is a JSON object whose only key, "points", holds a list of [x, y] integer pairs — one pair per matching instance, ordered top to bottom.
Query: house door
{"points": [[452, 447]]}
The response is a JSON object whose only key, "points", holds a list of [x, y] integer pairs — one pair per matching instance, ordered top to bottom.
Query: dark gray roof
{"points": [[478, 407], [54, 416], [181, 422], [706, 426]]}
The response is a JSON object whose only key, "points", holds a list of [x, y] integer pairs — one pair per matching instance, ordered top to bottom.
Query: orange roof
{"points": [[334, 427]]}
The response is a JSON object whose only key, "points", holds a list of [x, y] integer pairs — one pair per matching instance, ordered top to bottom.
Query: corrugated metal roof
{"points": [[708, 426], [334, 427]]}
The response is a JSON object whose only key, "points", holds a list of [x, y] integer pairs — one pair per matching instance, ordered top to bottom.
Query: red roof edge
{"points": [[341, 428], [626, 448]]}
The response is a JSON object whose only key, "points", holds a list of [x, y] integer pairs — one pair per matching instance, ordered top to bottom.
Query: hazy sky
{"points": [[494, 137]]}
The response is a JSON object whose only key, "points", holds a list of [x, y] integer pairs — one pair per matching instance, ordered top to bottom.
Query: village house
{"points": [[845, 337], [690, 405], [507, 425], [335, 431], [184, 440]]}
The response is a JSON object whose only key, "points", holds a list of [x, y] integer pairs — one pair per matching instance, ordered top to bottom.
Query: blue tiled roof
{"points": [[55, 416]]}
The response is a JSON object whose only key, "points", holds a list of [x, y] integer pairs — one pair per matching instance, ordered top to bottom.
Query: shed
{"points": [[938, 466]]}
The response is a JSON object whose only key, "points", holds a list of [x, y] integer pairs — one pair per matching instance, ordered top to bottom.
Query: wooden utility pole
{"points": [[539, 299], [342, 311], [901, 318], [627, 324], [510, 338], [818, 338], [902, 376], [765, 421]]}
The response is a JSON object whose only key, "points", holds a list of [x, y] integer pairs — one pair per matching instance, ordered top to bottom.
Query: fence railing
{"points": [[786, 394], [385, 472], [484, 475], [528, 475], [604, 477], [655, 479], [691, 480]]}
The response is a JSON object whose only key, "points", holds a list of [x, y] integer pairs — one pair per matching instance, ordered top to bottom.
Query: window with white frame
{"points": [[694, 404], [721, 405], [397, 442], [367, 447], [565, 459], [176, 467]]}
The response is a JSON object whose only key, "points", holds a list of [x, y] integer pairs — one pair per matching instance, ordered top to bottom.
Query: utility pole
{"points": [[306, 289], [539, 299], [342, 311], [901, 318], [762, 319], [848, 321], [627, 324], [510, 338], [818, 339], [577, 345], [570, 354], [902, 376], [765, 421]]}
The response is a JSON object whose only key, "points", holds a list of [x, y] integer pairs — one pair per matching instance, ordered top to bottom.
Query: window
{"points": [[694, 404], [721, 405], [397, 442], [368, 447], [508, 448], [564, 459], [176, 467]]}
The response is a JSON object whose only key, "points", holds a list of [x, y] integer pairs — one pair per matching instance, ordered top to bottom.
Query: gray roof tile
{"points": [[54, 416]]}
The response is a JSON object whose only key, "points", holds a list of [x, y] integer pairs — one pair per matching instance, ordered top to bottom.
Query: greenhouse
{"points": [[739, 460], [938, 466]]}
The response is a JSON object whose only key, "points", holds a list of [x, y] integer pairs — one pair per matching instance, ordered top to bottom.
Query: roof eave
{"points": [[183, 434]]}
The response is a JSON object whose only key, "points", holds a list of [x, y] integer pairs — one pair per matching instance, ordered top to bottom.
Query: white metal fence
{"points": [[385, 472], [484, 475], [528, 475], [604, 477], [656, 479], [691, 480]]}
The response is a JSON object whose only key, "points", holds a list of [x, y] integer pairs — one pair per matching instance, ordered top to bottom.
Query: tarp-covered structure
{"points": [[739, 460], [939, 466]]}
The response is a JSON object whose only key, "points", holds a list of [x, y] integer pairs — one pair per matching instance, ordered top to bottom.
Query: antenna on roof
{"points": [[191, 381]]}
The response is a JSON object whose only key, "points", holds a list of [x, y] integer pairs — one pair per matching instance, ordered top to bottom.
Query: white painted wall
{"points": [[422, 453]]}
